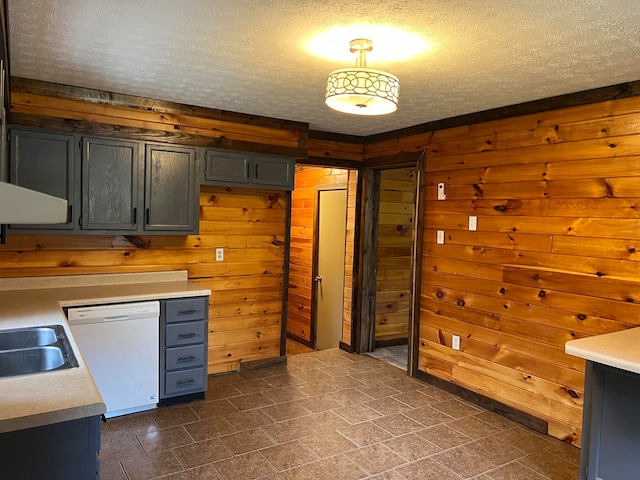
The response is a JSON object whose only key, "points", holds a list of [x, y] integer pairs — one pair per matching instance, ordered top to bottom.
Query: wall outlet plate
{"points": [[441, 194], [473, 223], [440, 237], [219, 254], [455, 342]]}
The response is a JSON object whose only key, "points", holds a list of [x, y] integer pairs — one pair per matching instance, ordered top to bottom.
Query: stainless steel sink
{"points": [[27, 337], [25, 351]]}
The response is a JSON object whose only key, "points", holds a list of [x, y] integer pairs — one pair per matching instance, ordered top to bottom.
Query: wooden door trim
{"points": [[285, 275]]}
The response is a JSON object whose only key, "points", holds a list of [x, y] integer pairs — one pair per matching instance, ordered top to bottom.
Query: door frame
{"points": [[314, 267], [364, 298]]}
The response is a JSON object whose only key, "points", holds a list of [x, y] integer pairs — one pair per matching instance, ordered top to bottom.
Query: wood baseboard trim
{"points": [[392, 342], [346, 347], [263, 363], [511, 413]]}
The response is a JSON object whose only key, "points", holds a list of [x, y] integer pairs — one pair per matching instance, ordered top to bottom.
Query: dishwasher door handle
{"points": [[116, 317]]}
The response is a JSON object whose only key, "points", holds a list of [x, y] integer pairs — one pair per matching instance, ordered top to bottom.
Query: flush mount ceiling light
{"points": [[362, 90]]}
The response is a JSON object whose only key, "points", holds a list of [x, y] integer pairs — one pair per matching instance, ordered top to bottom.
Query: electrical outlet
{"points": [[441, 194], [473, 223], [440, 237], [219, 254], [455, 342]]}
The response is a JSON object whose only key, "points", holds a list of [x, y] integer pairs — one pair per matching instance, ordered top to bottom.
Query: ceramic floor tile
{"points": [[252, 386], [221, 391], [285, 394], [251, 401], [319, 403], [387, 405], [214, 408], [455, 409], [286, 411], [357, 413], [173, 416], [428, 416], [248, 420], [324, 421], [398, 424], [128, 425], [473, 427], [211, 428], [288, 430], [365, 433], [444, 436], [164, 439], [526, 439], [247, 441], [328, 444], [412, 447], [120, 449], [495, 450], [201, 453], [289, 455], [375, 458], [464, 461], [151, 466], [550, 466], [244, 467], [336, 468], [426, 469], [111, 470], [514, 471], [205, 472], [294, 474]]}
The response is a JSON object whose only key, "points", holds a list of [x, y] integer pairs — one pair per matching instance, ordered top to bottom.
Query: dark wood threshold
{"points": [[296, 338], [392, 342], [346, 347], [263, 363], [490, 404]]}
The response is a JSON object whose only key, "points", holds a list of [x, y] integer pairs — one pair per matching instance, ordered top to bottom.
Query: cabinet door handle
{"points": [[135, 215], [187, 312], [187, 335], [187, 358], [186, 381]]}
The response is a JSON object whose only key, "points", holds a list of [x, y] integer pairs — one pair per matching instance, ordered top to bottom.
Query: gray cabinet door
{"points": [[44, 162], [225, 168], [111, 170], [273, 171], [170, 193]]}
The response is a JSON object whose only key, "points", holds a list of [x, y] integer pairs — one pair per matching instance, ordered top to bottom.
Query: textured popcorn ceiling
{"points": [[251, 56]]}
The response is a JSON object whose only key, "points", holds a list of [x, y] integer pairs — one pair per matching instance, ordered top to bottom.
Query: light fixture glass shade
{"points": [[362, 91]]}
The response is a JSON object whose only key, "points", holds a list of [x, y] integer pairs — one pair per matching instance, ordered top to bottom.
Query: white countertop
{"points": [[618, 349], [44, 398]]}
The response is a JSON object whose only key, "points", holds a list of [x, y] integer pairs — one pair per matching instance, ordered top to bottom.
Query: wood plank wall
{"points": [[308, 181], [395, 249], [555, 256], [349, 286], [246, 304]]}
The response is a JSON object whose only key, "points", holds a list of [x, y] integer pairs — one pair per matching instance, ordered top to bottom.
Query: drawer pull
{"points": [[187, 312], [187, 335], [187, 358], [186, 381]]}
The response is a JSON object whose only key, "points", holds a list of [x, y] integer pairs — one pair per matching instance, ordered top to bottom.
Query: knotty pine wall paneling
{"points": [[308, 180], [395, 249], [554, 256], [245, 311]]}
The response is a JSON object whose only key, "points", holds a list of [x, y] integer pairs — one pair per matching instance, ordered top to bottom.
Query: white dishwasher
{"points": [[120, 344]]}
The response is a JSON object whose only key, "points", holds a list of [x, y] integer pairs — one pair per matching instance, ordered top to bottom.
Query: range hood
{"points": [[23, 206]]}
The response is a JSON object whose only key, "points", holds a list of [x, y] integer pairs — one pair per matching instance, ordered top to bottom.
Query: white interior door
{"points": [[329, 281]]}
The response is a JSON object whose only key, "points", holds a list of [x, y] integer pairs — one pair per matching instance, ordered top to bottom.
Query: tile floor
{"points": [[397, 355], [328, 415]]}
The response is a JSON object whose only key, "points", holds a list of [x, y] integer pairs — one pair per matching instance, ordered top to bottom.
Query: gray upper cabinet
{"points": [[45, 161], [248, 169], [111, 170], [170, 188]]}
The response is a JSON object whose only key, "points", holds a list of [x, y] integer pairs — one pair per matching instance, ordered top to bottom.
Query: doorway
{"points": [[329, 267]]}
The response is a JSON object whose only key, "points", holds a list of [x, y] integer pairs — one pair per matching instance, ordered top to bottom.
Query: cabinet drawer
{"points": [[185, 309], [185, 333], [184, 357], [184, 381]]}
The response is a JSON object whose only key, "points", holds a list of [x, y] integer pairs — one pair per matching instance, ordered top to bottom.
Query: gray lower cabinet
{"points": [[45, 161], [223, 167], [111, 172], [112, 186], [170, 189], [183, 349], [611, 424], [60, 451]]}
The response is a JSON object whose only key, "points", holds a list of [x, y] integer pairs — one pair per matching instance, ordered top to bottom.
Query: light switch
{"points": [[441, 194], [473, 223], [440, 237], [219, 254], [455, 342]]}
